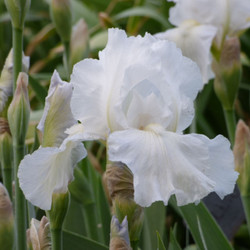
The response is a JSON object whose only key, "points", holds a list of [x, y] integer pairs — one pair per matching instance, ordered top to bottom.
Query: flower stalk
{"points": [[17, 10], [62, 18], [17, 52], [66, 58], [18, 117], [231, 124], [6, 154], [56, 216]]}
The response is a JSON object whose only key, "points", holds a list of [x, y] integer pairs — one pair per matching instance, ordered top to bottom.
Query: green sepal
{"points": [[17, 10], [62, 18], [19, 110], [123, 207], [58, 210]]}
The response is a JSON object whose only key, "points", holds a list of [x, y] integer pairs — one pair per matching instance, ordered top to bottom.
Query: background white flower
{"points": [[230, 17], [203, 23], [195, 41], [139, 96]]}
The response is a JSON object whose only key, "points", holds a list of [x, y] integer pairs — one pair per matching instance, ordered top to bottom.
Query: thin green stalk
{"points": [[17, 52], [66, 59], [231, 124], [6, 156], [7, 179], [20, 203], [56, 214], [56, 237]]}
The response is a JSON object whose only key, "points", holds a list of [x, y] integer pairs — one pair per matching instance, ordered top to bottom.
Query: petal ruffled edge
{"points": [[164, 163], [49, 170]]}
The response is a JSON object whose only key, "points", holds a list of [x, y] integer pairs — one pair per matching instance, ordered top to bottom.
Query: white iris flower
{"points": [[203, 23], [139, 97], [49, 169]]}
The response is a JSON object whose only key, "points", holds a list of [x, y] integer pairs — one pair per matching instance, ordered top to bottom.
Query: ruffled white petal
{"points": [[195, 42], [101, 87], [178, 87], [89, 102], [143, 110], [57, 115], [222, 162], [164, 163], [49, 170]]}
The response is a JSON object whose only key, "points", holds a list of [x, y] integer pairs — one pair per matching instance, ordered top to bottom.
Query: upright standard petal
{"points": [[195, 42], [101, 87], [57, 115], [188, 166], [49, 170]]}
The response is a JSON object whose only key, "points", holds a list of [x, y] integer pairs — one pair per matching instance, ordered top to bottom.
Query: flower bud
{"points": [[17, 10], [62, 18], [79, 42], [228, 73], [6, 79], [19, 109], [6, 154], [242, 157], [119, 183], [58, 210], [134, 213], [6, 220], [38, 234], [119, 238]]}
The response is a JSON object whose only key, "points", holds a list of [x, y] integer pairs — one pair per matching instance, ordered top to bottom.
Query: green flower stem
{"points": [[17, 52], [66, 59], [231, 125], [6, 156], [7, 179], [20, 203], [246, 204], [56, 214], [56, 237]]}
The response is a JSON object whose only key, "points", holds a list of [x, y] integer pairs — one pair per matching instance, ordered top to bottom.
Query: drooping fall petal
{"points": [[165, 163]]}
